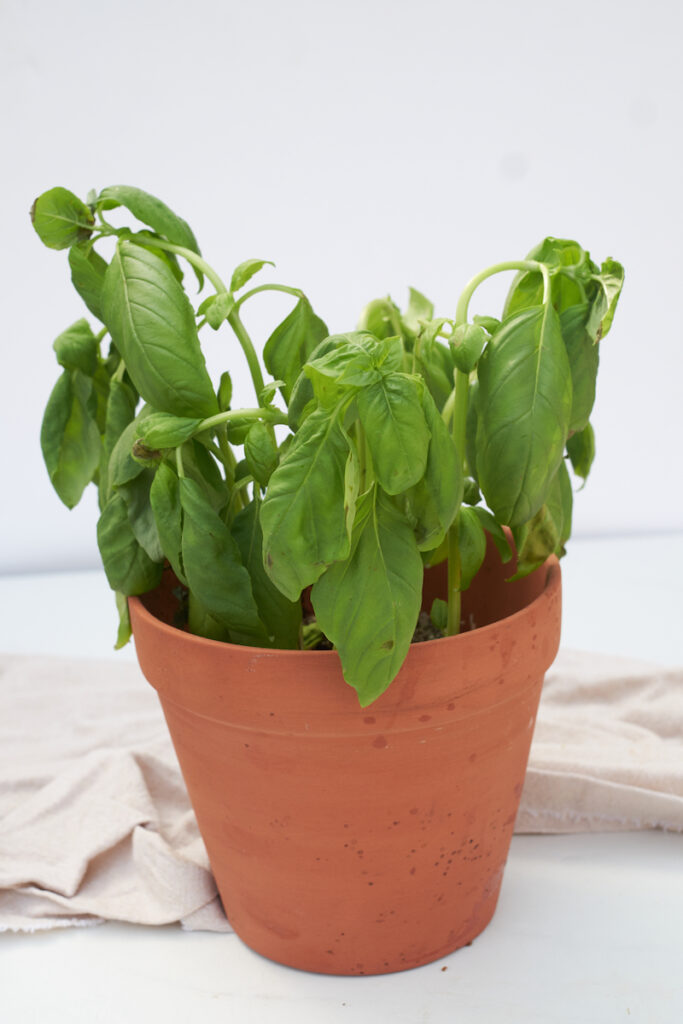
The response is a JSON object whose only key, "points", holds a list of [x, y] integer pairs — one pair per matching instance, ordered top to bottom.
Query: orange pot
{"points": [[359, 841]]}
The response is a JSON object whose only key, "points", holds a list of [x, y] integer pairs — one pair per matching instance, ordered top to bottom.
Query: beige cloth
{"points": [[95, 822]]}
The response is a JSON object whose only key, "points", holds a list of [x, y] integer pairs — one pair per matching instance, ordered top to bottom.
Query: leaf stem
{"points": [[498, 268], [269, 288], [268, 415]]}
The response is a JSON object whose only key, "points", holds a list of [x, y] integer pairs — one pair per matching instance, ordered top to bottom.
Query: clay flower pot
{"points": [[348, 840]]}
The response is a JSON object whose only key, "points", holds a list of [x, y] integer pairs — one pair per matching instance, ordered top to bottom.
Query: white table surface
{"points": [[588, 930]]}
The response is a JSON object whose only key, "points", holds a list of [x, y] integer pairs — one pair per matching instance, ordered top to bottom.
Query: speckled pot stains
{"points": [[360, 841]]}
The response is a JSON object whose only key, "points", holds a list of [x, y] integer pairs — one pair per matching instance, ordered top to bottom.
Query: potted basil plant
{"points": [[407, 480]]}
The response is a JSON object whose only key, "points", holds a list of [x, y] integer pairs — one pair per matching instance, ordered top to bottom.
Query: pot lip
{"points": [[552, 583]]}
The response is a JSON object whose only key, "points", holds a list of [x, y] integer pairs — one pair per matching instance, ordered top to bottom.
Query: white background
{"points": [[365, 147]]}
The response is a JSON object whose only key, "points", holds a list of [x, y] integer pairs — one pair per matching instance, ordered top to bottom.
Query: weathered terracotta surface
{"points": [[359, 841]]}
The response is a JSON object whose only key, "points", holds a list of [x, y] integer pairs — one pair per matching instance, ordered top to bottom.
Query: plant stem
{"points": [[498, 268], [220, 286], [269, 288], [269, 415], [179, 462]]}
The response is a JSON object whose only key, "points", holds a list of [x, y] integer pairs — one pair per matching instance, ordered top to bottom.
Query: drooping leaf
{"points": [[151, 211], [61, 219], [570, 269], [245, 271], [87, 275], [608, 283], [153, 327], [291, 344], [467, 344], [76, 348], [584, 357], [524, 406], [392, 416], [69, 437], [260, 451], [581, 451], [122, 466], [136, 494], [164, 497], [430, 505], [303, 518], [549, 530], [498, 535], [471, 544], [128, 568], [214, 569], [368, 604], [281, 617], [125, 631]]}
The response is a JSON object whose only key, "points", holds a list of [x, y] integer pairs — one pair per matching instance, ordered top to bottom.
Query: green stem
{"points": [[498, 268], [220, 286], [269, 288], [269, 415], [179, 462]]}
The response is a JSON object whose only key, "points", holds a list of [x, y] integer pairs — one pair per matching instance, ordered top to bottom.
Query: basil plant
{"points": [[365, 457]]}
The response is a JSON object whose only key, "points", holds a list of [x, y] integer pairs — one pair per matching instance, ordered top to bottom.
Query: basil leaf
{"points": [[150, 211], [61, 219], [245, 271], [571, 273], [87, 275], [608, 280], [419, 309], [219, 310], [380, 317], [153, 327], [291, 344], [467, 344], [76, 348], [584, 357], [436, 365], [225, 391], [524, 406], [391, 414], [163, 430], [69, 437], [260, 451], [581, 451], [122, 466], [136, 494], [164, 498], [430, 505], [305, 525], [549, 530], [498, 536], [471, 545], [128, 568], [214, 569], [368, 604], [282, 618], [202, 623], [124, 631]]}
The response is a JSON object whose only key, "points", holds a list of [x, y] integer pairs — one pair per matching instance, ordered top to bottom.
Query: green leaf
{"points": [[150, 211], [61, 219], [570, 268], [245, 271], [87, 276], [609, 281], [220, 309], [419, 309], [380, 317], [489, 323], [152, 324], [291, 344], [467, 344], [76, 348], [584, 357], [436, 365], [347, 366], [225, 391], [524, 406], [394, 421], [163, 430], [69, 437], [260, 451], [581, 451], [122, 466], [201, 467], [136, 494], [164, 498], [430, 505], [303, 518], [549, 530], [498, 535], [471, 544], [128, 568], [214, 569], [368, 604], [439, 615], [282, 618], [202, 623], [124, 631]]}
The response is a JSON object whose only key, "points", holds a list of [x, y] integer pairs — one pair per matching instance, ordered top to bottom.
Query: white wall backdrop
{"points": [[365, 147]]}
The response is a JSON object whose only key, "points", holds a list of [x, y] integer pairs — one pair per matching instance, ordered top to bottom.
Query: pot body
{"points": [[359, 841]]}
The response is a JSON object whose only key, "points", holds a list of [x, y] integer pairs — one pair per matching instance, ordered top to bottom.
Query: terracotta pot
{"points": [[348, 840]]}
